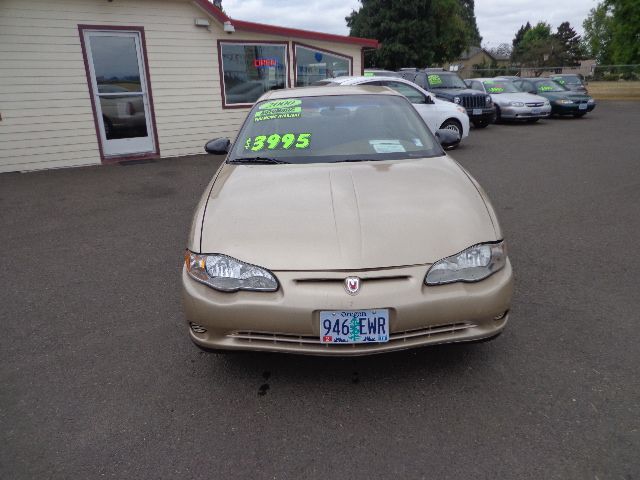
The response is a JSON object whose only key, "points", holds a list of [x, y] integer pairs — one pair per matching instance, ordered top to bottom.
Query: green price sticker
{"points": [[369, 74], [434, 80], [545, 88], [496, 90], [279, 109], [276, 141]]}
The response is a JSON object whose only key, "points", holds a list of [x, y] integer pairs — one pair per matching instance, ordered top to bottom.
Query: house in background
{"points": [[474, 56], [93, 81]]}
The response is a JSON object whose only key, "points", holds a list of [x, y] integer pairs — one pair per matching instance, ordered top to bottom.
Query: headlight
{"points": [[456, 99], [488, 99], [591, 100], [564, 102], [546, 103], [516, 104], [471, 265], [228, 274]]}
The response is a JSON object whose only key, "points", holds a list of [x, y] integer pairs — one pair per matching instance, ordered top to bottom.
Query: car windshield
{"points": [[568, 79], [440, 80], [500, 86], [549, 86], [333, 128]]}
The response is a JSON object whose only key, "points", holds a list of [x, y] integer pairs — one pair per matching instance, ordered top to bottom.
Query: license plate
{"points": [[582, 106], [477, 111], [535, 111], [354, 326]]}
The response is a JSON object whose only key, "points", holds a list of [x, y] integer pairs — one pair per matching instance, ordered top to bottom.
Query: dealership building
{"points": [[85, 82]]}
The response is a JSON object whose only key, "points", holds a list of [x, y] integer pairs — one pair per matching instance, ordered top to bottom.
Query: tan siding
{"points": [[47, 120]]}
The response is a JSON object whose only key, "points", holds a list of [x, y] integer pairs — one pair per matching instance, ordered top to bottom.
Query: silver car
{"points": [[511, 103]]}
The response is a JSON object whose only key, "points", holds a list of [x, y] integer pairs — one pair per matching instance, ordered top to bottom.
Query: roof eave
{"points": [[283, 31]]}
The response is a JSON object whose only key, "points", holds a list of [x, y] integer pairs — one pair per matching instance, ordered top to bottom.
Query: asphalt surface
{"points": [[99, 379]]}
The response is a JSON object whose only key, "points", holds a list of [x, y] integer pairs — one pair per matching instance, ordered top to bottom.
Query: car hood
{"points": [[456, 92], [501, 98], [344, 216]]}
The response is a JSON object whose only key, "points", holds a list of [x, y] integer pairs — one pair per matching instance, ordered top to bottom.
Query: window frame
{"points": [[295, 45], [287, 83], [155, 154]]}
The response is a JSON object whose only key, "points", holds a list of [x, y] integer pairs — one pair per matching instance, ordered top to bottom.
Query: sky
{"points": [[498, 20]]}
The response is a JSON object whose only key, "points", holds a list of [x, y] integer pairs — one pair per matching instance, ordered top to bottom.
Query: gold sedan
{"points": [[338, 226]]}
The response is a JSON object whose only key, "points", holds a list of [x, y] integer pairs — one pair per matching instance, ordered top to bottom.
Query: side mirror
{"points": [[429, 100], [447, 138], [218, 146]]}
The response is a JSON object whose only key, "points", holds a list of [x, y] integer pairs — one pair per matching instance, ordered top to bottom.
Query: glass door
{"points": [[120, 91]]}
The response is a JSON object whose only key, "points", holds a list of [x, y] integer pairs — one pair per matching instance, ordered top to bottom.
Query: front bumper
{"points": [[572, 109], [524, 113], [481, 114], [288, 320]]}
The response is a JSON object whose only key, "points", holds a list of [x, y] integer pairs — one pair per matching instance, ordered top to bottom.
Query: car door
{"points": [[420, 101]]}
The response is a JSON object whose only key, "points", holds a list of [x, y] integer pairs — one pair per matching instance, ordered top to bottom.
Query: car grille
{"points": [[473, 101], [535, 104], [397, 337]]}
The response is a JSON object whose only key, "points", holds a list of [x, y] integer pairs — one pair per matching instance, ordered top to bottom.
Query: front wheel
{"points": [[498, 115], [455, 126]]}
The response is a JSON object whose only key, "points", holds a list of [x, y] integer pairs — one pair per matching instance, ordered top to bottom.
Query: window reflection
{"points": [[115, 61], [314, 65], [249, 70], [123, 117]]}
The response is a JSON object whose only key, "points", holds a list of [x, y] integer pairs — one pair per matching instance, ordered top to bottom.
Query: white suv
{"points": [[436, 113]]}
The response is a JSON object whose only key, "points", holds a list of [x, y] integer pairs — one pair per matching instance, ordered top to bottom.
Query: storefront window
{"points": [[313, 65], [251, 69]]}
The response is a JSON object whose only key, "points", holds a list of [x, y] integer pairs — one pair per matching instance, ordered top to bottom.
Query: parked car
{"points": [[373, 72], [571, 81], [450, 87], [563, 101], [510, 102], [436, 113], [338, 226]]}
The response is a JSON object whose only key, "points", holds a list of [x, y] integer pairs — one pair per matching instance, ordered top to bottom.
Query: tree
{"points": [[468, 13], [625, 30], [412, 32], [597, 34], [517, 41], [569, 46], [538, 47], [503, 50]]}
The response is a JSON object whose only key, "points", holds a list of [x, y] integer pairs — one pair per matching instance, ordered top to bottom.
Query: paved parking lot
{"points": [[99, 379]]}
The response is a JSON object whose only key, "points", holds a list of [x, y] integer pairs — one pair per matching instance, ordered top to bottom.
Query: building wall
{"points": [[47, 118]]}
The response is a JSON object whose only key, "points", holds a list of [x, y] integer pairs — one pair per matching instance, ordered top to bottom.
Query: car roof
{"points": [[343, 80], [322, 91]]}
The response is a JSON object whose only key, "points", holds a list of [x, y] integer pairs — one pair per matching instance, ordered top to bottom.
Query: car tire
{"points": [[498, 115], [481, 124], [453, 125]]}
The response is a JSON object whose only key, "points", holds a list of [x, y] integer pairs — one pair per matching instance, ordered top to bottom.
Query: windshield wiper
{"points": [[261, 160]]}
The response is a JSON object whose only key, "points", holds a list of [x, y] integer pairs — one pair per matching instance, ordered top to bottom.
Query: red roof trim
{"points": [[284, 31]]}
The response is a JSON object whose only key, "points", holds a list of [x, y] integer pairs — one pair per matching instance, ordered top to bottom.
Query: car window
{"points": [[444, 80], [476, 85], [500, 86], [543, 86], [413, 94], [334, 128]]}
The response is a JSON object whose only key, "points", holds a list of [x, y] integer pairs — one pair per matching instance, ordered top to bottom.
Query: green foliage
{"points": [[468, 13], [625, 29], [413, 32], [612, 32], [597, 34], [570, 46]]}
